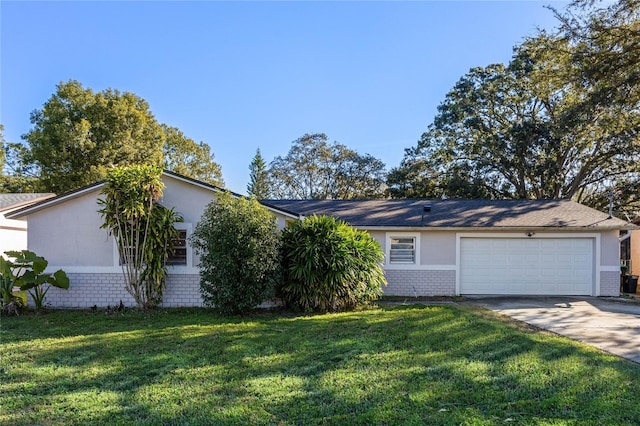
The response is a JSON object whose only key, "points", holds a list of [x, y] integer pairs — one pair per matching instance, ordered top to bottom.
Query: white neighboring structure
{"points": [[13, 232]]}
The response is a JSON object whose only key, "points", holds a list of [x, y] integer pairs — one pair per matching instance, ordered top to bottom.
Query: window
{"points": [[402, 250], [178, 255]]}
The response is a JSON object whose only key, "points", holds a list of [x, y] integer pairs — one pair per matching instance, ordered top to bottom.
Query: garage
{"points": [[527, 266]]}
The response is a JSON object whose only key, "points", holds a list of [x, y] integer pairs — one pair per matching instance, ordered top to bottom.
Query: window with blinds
{"points": [[402, 250], [178, 255]]}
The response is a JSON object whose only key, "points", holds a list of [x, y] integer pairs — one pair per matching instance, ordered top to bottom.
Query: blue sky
{"points": [[243, 75]]}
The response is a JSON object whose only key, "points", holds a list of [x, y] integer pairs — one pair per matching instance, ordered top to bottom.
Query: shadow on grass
{"points": [[403, 365]]}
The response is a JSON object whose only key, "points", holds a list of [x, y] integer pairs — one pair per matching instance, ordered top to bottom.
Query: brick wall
{"points": [[414, 283], [609, 283], [102, 290], [182, 290]]}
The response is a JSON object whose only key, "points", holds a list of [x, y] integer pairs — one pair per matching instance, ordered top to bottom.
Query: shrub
{"points": [[239, 244], [329, 266], [27, 272], [11, 305]]}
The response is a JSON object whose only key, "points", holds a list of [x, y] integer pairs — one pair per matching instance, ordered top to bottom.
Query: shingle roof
{"points": [[10, 201], [454, 213]]}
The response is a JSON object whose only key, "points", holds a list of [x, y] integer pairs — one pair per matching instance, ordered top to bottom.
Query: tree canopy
{"points": [[605, 41], [605, 48], [535, 128], [80, 134], [2, 150], [186, 157], [10, 159], [317, 169], [258, 177]]}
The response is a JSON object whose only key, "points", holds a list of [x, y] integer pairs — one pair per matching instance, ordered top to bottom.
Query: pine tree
{"points": [[258, 179]]}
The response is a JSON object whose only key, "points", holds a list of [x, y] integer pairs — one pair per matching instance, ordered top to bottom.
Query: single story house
{"points": [[13, 232], [432, 247]]}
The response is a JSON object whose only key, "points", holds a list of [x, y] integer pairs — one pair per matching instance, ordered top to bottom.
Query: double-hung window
{"points": [[178, 253]]}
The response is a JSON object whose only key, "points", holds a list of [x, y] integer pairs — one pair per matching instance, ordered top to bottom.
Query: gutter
{"points": [[625, 237]]}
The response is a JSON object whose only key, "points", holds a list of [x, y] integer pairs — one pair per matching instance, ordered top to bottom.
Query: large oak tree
{"points": [[546, 125], [79, 135], [186, 157]]}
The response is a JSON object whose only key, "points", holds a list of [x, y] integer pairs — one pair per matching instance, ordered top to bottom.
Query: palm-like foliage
{"points": [[142, 228], [329, 266]]}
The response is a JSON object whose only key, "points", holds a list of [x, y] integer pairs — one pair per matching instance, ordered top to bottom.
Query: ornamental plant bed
{"points": [[396, 365]]}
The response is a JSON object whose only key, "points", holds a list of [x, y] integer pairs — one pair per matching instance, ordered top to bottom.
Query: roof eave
{"points": [[53, 201], [25, 203]]}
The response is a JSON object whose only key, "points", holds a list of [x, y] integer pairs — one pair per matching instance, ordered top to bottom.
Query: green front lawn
{"points": [[405, 365]]}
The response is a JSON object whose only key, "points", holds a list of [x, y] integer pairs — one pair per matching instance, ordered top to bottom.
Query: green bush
{"points": [[239, 246], [329, 266]]}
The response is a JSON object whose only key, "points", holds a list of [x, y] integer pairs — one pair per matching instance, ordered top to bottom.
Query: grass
{"points": [[403, 365]]}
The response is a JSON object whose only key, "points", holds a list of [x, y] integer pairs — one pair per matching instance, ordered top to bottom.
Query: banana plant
{"points": [[29, 269], [7, 280]]}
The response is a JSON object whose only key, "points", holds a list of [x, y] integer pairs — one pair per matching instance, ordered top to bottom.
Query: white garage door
{"points": [[562, 266]]}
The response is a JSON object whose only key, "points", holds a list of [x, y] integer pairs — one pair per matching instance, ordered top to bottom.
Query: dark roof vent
{"points": [[426, 209]]}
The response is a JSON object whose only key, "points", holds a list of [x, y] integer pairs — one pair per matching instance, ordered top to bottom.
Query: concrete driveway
{"points": [[609, 324]]}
